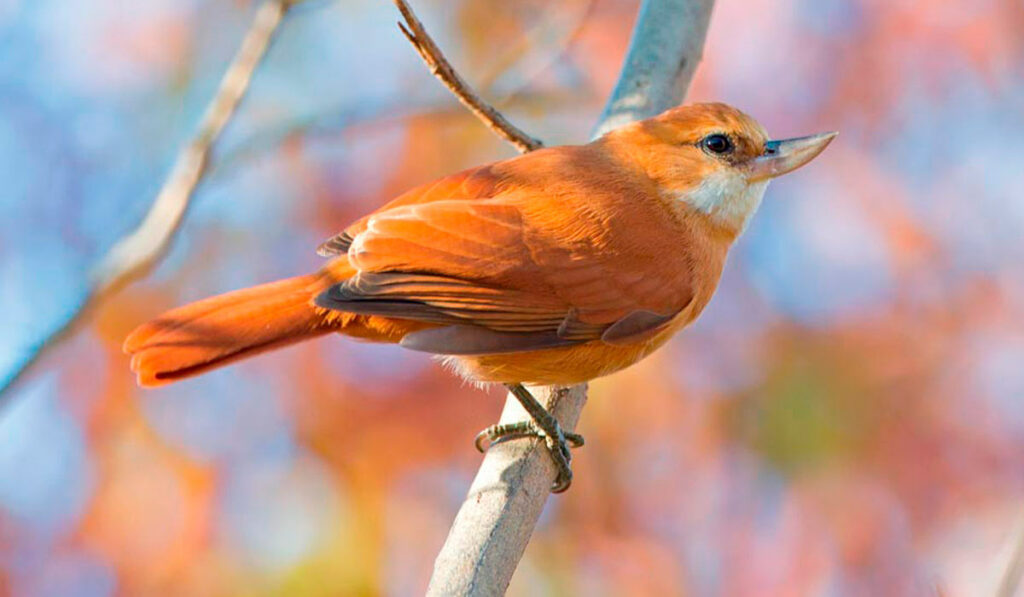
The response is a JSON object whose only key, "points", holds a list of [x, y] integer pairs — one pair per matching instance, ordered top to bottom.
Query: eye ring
{"points": [[717, 144]]}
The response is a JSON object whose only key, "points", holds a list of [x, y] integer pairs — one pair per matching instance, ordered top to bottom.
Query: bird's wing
{"points": [[474, 183], [495, 280]]}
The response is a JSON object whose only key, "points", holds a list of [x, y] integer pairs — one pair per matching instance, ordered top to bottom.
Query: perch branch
{"points": [[443, 70], [134, 255], [494, 524]]}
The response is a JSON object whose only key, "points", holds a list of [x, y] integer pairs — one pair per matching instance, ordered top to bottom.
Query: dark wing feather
{"points": [[336, 245], [443, 300], [636, 327], [466, 340]]}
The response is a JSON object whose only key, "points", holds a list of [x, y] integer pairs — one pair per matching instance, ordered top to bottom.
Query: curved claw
{"points": [[488, 436], [574, 440], [478, 441], [560, 454], [562, 482]]}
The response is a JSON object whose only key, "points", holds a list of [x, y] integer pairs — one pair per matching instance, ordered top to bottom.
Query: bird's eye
{"points": [[718, 144]]}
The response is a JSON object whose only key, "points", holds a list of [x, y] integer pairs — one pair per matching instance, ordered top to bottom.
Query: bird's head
{"points": [[714, 158]]}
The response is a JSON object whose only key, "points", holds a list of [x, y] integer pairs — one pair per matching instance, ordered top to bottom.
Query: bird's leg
{"points": [[542, 425]]}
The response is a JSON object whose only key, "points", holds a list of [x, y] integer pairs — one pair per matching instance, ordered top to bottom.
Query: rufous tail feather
{"points": [[222, 329]]}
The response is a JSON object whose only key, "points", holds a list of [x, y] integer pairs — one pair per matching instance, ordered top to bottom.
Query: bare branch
{"points": [[442, 69], [337, 118], [333, 120], [137, 253], [494, 524]]}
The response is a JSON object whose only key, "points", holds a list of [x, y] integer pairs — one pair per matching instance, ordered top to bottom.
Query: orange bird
{"points": [[554, 267]]}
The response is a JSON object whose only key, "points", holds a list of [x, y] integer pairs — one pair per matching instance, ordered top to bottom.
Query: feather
{"points": [[465, 340]]}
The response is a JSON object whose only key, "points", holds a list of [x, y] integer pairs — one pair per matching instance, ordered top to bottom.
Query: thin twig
{"points": [[442, 69], [337, 118], [333, 120], [137, 253], [494, 524]]}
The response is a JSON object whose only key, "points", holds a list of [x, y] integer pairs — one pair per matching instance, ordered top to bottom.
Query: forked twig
{"points": [[442, 69]]}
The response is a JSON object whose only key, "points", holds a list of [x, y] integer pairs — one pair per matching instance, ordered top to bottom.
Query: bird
{"points": [[554, 267]]}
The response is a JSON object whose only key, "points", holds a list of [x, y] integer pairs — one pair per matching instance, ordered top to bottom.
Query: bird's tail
{"points": [[222, 329]]}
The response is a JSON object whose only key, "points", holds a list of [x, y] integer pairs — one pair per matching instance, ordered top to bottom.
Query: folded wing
{"points": [[494, 281]]}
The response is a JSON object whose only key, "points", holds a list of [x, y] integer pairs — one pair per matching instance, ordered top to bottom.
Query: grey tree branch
{"points": [[667, 45], [442, 69], [137, 253], [494, 524]]}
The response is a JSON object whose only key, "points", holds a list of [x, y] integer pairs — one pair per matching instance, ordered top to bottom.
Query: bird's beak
{"points": [[784, 156]]}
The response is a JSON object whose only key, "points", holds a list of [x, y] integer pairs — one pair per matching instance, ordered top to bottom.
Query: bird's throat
{"points": [[727, 197]]}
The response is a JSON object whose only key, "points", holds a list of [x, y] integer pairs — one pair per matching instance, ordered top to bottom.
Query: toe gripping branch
{"points": [[542, 425]]}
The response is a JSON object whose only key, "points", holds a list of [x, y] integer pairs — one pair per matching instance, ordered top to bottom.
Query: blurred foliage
{"points": [[807, 414]]}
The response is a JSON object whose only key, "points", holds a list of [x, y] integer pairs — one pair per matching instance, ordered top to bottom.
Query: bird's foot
{"points": [[543, 426], [503, 432], [558, 444]]}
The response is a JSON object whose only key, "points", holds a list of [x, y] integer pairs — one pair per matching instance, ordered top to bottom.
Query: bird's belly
{"points": [[570, 364], [555, 366]]}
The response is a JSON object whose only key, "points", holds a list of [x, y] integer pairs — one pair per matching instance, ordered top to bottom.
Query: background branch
{"points": [[667, 45], [442, 69], [334, 119], [137, 253], [495, 523]]}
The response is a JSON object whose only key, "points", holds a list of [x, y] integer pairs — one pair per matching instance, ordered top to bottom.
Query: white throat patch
{"points": [[727, 197]]}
